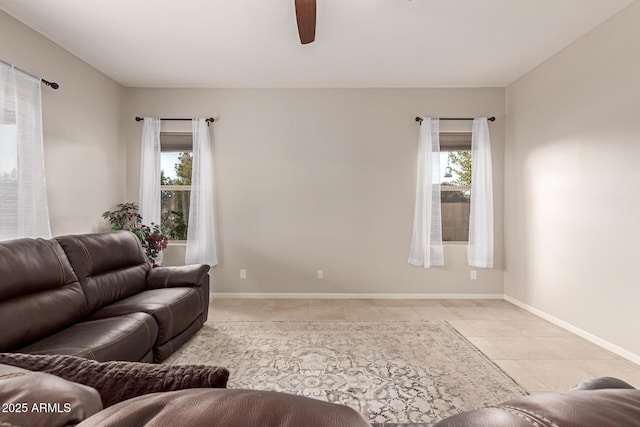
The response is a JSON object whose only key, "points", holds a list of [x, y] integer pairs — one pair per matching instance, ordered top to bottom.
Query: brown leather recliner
{"points": [[96, 296], [182, 396], [596, 407]]}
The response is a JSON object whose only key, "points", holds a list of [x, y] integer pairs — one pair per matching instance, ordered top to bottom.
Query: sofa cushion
{"points": [[110, 266], [40, 293], [173, 309], [128, 337], [39, 399], [226, 408]]}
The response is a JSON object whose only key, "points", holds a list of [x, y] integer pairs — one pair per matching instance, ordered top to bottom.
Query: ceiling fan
{"points": [[306, 18]]}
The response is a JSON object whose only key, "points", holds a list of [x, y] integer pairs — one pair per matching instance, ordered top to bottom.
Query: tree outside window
{"points": [[175, 193], [455, 193]]}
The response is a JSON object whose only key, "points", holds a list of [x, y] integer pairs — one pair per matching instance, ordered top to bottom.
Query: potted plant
{"points": [[127, 217]]}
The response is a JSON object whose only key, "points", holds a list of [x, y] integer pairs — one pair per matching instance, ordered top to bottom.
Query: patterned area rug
{"points": [[387, 371]]}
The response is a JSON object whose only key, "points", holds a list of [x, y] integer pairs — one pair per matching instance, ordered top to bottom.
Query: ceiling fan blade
{"points": [[306, 17]]}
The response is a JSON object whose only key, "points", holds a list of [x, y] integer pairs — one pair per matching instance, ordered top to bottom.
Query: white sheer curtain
{"points": [[150, 174], [23, 193], [481, 216], [201, 234], [426, 243]]}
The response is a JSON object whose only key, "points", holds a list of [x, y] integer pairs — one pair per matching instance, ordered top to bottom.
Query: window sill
{"points": [[177, 243], [455, 243]]}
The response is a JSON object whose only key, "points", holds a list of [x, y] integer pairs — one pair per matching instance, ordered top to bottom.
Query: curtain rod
{"points": [[52, 85], [210, 119], [491, 119]]}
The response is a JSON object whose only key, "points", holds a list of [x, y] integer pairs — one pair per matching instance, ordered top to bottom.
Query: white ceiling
{"points": [[359, 43]]}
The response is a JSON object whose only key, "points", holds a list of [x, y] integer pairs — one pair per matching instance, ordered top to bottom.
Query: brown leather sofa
{"points": [[96, 296], [92, 394]]}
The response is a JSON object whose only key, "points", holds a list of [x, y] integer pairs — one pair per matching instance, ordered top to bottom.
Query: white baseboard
{"points": [[353, 296], [580, 332]]}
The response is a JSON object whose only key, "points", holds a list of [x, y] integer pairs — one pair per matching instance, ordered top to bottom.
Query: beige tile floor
{"points": [[537, 354]]}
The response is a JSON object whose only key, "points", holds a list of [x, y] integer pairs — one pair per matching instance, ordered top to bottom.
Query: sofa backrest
{"points": [[110, 266], [39, 291]]}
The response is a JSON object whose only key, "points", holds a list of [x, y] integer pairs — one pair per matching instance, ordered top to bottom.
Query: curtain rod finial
{"points": [[52, 85]]}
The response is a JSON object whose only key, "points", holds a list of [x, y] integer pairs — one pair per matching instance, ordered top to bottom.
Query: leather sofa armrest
{"points": [[171, 277], [118, 381], [602, 383], [40, 399], [592, 407]]}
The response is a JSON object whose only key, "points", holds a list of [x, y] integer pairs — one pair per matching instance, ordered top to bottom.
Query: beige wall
{"points": [[84, 151], [306, 179], [311, 179], [572, 207]]}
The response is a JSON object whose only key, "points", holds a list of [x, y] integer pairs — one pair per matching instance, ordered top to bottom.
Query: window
{"points": [[8, 181], [175, 183], [455, 185], [23, 194]]}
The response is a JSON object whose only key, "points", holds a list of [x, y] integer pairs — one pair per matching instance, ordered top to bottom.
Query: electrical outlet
{"points": [[243, 273], [320, 274], [474, 275]]}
